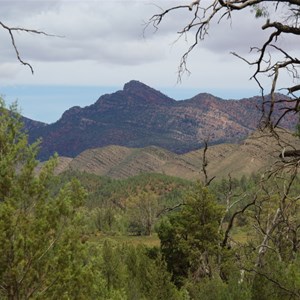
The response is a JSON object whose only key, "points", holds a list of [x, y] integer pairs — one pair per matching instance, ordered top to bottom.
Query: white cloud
{"points": [[16, 10], [92, 30], [103, 42], [103, 45], [8, 70]]}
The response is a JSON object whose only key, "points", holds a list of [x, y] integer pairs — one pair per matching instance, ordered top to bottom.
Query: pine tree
{"points": [[41, 255]]}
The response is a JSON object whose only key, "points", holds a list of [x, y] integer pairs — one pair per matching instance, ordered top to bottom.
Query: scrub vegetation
{"points": [[81, 236]]}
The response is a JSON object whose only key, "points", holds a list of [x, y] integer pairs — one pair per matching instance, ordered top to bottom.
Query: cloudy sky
{"points": [[102, 44]]}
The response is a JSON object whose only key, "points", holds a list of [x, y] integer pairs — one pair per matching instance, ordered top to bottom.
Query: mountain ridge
{"points": [[139, 116], [256, 153]]}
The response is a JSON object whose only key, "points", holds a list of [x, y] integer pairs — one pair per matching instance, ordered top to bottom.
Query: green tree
{"points": [[143, 210], [190, 238], [41, 254], [111, 266], [130, 272], [148, 277]]}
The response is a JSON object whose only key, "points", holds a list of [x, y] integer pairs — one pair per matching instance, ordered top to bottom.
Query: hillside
{"points": [[139, 116], [31, 125], [254, 154]]}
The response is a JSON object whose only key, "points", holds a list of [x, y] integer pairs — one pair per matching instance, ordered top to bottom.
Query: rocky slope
{"points": [[140, 116], [31, 125]]}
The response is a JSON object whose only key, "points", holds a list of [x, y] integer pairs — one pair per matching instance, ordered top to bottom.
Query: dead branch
{"points": [[215, 10], [12, 30], [289, 153], [207, 181], [168, 209], [231, 221], [263, 246], [274, 281]]}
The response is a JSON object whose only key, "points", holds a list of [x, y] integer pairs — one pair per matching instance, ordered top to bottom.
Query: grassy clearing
{"points": [[242, 235], [149, 241]]}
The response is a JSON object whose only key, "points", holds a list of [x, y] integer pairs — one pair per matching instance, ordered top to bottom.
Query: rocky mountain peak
{"points": [[135, 85], [146, 93], [71, 111], [140, 116]]}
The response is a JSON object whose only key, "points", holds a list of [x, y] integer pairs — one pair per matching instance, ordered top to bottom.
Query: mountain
{"points": [[139, 116], [31, 125], [256, 153]]}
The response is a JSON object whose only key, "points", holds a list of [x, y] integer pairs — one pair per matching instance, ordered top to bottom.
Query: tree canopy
{"points": [[41, 256]]}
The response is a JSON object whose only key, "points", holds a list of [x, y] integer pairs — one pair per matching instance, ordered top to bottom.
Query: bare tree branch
{"points": [[215, 10], [12, 30], [207, 181], [168, 209], [231, 221], [274, 281]]}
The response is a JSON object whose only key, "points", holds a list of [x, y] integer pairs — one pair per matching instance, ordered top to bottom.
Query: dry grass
{"points": [[255, 154], [149, 241]]}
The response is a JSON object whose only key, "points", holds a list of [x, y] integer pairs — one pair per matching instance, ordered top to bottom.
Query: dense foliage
{"points": [[132, 205], [70, 236], [41, 255]]}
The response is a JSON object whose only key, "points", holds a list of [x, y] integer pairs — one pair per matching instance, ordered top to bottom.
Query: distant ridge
{"points": [[139, 116], [255, 154]]}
